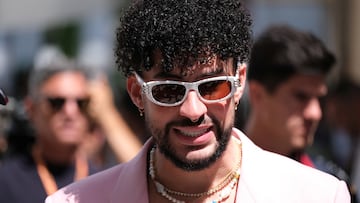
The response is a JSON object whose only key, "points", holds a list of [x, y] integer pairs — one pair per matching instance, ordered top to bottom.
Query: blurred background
{"points": [[85, 30]]}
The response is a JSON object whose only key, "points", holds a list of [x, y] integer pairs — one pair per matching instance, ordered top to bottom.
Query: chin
{"points": [[71, 139], [300, 146], [200, 154]]}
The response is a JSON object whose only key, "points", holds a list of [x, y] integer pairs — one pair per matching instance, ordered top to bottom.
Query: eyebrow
{"points": [[218, 70], [167, 75], [177, 77]]}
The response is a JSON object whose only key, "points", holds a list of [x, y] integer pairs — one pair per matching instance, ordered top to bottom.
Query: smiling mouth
{"points": [[192, 133]]}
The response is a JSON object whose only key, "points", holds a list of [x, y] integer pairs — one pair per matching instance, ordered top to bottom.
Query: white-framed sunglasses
{"points": [[173, 93]]}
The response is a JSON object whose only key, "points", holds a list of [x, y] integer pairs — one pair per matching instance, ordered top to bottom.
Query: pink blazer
{"points": [[265, 178]]}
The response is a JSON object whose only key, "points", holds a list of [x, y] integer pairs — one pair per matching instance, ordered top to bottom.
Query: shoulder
{"points": [[258, 159], [16, 164], [329, 166], [280, 179], [121, 180], [94, 186]]}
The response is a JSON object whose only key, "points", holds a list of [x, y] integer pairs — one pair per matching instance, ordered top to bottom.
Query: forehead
{"points": [[202, 67], [69, 83], [310, 84]]}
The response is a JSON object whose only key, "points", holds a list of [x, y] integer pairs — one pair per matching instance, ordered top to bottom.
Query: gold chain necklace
{"points": [[224, 188]]}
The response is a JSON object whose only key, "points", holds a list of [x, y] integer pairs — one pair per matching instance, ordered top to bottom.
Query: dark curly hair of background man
{"points": [[183, 34]]}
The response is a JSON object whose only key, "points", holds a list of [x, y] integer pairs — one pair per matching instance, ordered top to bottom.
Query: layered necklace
{"points": [[223, 189]]}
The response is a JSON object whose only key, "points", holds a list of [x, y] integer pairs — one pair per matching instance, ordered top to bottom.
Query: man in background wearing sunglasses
{"points": [[186, 71], [56, 106]]}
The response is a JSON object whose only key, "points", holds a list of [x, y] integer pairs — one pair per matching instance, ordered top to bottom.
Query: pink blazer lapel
{"points": [[132, 182]]}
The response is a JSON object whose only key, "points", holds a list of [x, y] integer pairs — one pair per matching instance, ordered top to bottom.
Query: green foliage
{"points": [[65, 36]]}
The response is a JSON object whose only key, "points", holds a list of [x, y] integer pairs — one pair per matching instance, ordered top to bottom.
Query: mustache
{"points": [[186, 122], [189, 122]]}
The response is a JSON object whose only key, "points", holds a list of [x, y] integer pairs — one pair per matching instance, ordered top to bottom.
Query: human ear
{"points": [[241, 74], [134, 90], [257, 93], [29, 106]]}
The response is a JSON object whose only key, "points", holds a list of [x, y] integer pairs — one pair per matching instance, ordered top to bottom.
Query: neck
{"points": [[263, 137], [55, 154], [296, 155], [46, 177], [201, 183]]}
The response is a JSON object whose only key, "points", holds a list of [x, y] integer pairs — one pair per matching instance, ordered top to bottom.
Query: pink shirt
{"points": [[265, 178]]}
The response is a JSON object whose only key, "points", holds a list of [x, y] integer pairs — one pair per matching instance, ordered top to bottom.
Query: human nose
{"points": [[71, 107], [192, 108], [313, 110]]}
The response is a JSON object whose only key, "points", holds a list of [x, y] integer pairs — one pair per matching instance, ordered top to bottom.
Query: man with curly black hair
{"points": [[185, 63]]}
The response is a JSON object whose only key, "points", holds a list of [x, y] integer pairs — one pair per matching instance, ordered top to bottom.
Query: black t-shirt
{"points": [[20, 182]]}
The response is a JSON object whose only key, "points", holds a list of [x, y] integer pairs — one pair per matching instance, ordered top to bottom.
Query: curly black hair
{"points": [[183, 31]]}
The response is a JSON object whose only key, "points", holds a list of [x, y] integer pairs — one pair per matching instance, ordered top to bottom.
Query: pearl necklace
{"points": [[224, 188]]}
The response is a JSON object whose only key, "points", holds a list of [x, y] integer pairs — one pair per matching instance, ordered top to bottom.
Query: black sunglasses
{"points": [[57, 103]]}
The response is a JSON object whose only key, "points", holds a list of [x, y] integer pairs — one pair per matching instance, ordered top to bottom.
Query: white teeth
{"points": [[193, 133]]}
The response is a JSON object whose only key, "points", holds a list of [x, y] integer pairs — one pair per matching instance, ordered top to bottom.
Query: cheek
{"points": [[224, 113], [157, 116], [275, 116], [229, 118], [42, 120], [81, 124], [85, 125]]}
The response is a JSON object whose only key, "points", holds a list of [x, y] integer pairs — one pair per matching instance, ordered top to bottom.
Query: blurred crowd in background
{"points": [[84, 31]]}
